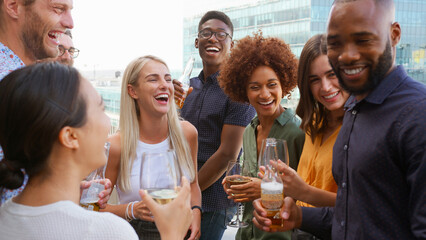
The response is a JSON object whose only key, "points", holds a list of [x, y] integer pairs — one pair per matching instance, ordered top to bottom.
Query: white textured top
{"points": [[133, 194], [61, 220]]}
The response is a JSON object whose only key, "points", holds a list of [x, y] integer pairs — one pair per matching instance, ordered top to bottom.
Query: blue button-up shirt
{"points": [[9, 62], [208, 108], [379, 164]]}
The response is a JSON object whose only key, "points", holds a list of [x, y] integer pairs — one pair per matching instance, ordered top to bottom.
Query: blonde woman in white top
{"points": [[149, 122]]}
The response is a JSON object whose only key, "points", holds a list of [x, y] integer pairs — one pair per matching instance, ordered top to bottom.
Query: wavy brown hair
{"points": [[250, 53], [312, 113]]}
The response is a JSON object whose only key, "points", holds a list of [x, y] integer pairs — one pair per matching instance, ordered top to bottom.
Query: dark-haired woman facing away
{"points": [[46, 129]]}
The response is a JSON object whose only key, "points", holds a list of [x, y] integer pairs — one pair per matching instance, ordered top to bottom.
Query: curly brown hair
{"points": [[252, 52]]}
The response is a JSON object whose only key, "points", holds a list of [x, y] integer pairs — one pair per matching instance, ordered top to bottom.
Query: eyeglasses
{"points": [[207, 34], [72, 51]]}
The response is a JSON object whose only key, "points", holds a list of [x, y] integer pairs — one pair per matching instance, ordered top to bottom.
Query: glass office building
{"points": [[295, 21], [410, 52], [111, 97]]}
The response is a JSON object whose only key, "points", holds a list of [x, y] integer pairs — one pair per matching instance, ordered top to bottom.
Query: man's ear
{"points": [[12, 8], [395, 33], [196, 42], [131, 91], [68, 137]]}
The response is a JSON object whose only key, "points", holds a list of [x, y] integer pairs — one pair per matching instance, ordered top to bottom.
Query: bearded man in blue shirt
{"points": [[379, 158]]}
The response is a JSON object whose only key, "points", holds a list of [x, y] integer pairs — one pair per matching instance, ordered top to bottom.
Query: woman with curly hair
{"points": [[261, 71]]}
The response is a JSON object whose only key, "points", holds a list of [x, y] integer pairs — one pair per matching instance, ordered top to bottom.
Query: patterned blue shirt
{"points": [[9, 62], [208, 108], [379, 164]]}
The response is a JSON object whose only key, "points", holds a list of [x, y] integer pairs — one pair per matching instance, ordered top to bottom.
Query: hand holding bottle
{"points": [[181, 86]]}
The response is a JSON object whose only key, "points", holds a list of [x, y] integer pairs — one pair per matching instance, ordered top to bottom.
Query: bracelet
{"points": [[197, 207], [126, 214], [133, 216]]}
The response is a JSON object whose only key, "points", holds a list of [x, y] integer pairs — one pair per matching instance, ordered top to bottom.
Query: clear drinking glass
{"points": [[184, 79], [237, 173], [160, 175], [90, 196]]}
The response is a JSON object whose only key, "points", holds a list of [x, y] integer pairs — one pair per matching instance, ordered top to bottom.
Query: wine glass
{"points": [[236, 174], [160, 175], [90, 196]]}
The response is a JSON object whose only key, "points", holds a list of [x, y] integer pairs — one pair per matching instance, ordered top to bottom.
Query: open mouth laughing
{"points": [[54, 36], [212, 50], [162, 98], [266, 103]]}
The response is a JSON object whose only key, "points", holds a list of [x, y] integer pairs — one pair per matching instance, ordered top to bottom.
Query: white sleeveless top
{"points": [[133, 193]]}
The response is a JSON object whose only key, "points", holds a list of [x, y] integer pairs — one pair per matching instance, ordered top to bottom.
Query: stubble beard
{"points": [[33, 38], [375, 76]]}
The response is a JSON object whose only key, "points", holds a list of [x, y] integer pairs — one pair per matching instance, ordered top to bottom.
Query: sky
{"points": [[111, 33]]}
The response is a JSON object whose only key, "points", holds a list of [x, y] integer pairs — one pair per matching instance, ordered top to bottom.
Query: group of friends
{"points": [[356, 142]]}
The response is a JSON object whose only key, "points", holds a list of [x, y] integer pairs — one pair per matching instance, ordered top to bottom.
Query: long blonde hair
{"points": [[129, 126]]}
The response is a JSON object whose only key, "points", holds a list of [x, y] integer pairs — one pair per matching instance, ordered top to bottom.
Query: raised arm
{"points": [[230, 146], [295, 187]]}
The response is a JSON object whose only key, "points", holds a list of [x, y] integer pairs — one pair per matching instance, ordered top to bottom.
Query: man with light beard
{"points": [[30, 30], [379, 158]]}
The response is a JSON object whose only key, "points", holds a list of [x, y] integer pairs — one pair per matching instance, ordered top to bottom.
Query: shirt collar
{"points": [[212, 77], [382, 91], [282, 119]]}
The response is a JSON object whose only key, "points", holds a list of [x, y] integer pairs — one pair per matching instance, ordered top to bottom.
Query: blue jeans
{"points": [[213, 224]]}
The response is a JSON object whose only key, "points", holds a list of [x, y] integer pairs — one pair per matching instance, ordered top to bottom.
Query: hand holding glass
{"points": [[160, 175], [236, 175], [90, 196]]}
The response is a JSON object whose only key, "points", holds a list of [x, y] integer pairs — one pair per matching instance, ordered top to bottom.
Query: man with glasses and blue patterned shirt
{"points": [[219, 121]]}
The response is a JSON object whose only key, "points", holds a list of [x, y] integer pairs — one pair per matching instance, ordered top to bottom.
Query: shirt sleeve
{"points": [[239, 114], [411, 141], [317, 221]]}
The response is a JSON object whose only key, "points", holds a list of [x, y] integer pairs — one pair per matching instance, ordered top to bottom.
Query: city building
{"points": [[295, 21]]}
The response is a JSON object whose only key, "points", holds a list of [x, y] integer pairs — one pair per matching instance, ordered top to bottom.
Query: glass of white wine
{"points": [[236, 174], [160, 175], [90, 196]]}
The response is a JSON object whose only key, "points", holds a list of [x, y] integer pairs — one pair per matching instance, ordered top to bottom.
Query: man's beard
{"points": [[32, 36], [375, 75]]}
